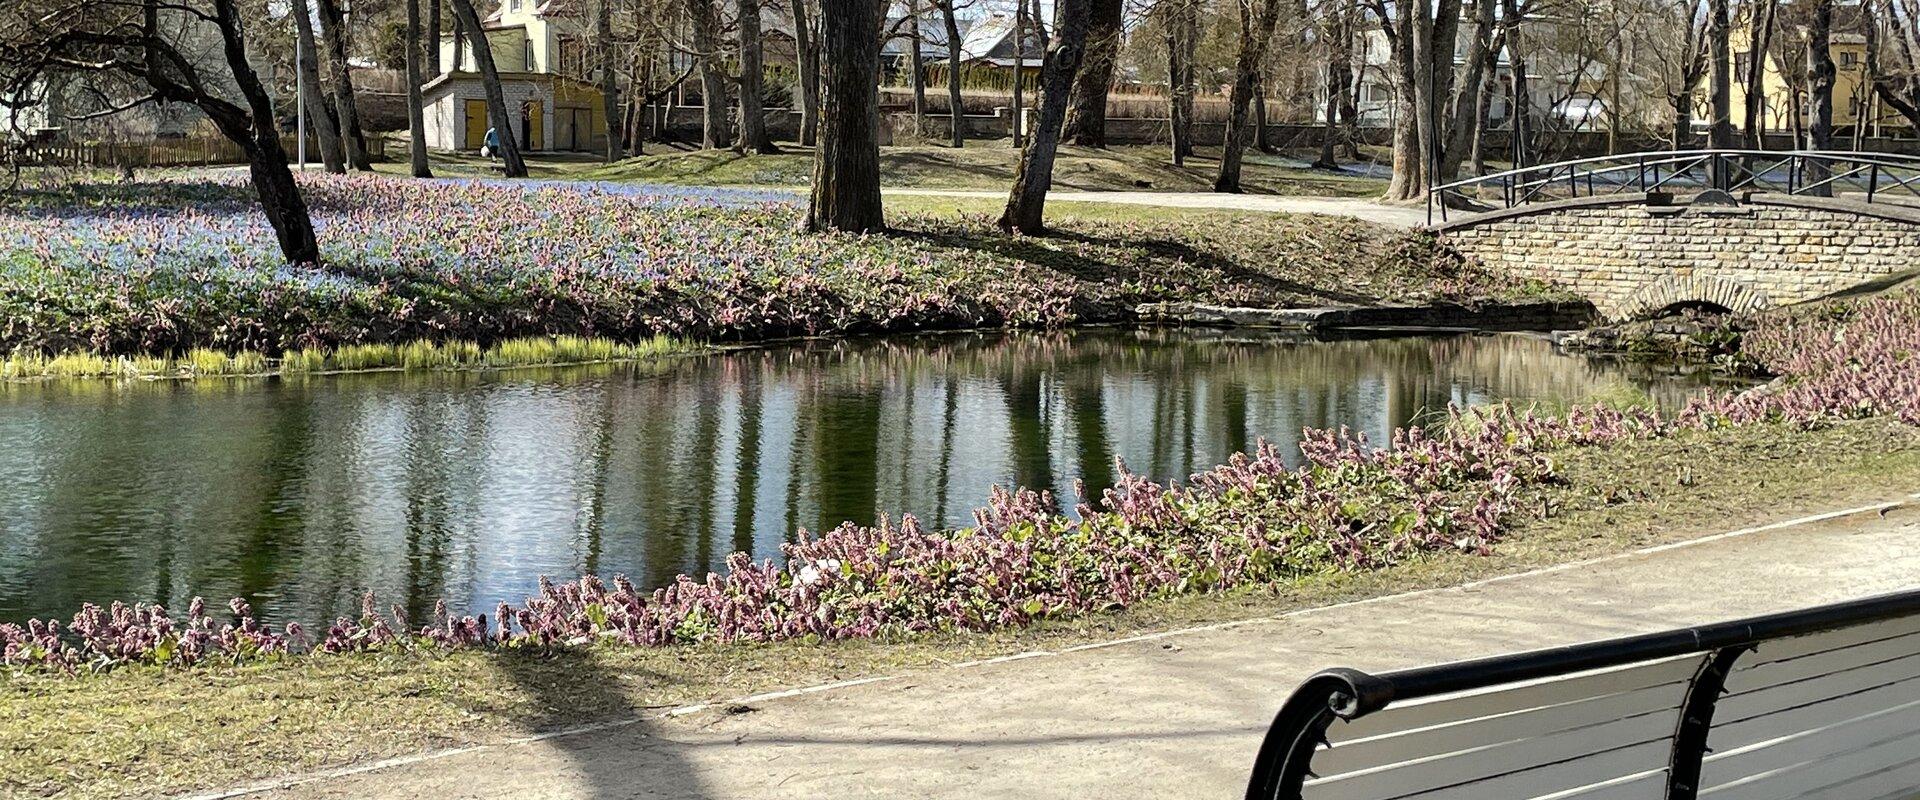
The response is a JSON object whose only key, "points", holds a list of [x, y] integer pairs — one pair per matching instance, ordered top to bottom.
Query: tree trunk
{"points": [[1257, 19], [952, 25], [333, 30], [1182, 31], [432, 42], [1759, 42], [807, 53], [917, 74], [1820, 74], [1339, 75], [490, 79], [609, 80], [1720, 88], [1521, 106], [319, 112], [416, 112], [1087, 117], [753, 118], [1018, 120], [1464, 121], [257, 131], [714, 134], [1260, 142], [846, 170], [1409, 178], [1027, 202]]}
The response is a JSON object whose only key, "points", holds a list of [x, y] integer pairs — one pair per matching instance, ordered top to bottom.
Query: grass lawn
{"points": [[980, 165], [143, 731]]}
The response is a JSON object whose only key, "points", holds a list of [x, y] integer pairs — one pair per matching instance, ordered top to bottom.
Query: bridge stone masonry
{"points": [[1638, 253]]}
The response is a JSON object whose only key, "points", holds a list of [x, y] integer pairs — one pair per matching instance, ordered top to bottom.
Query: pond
{"points": [[301, 494]]}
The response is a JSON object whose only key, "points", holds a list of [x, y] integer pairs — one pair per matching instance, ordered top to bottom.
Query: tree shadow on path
{"points": [[609, 742]]}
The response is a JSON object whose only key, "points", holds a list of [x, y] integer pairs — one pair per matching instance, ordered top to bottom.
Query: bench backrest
{"points": [[1821, 703]]}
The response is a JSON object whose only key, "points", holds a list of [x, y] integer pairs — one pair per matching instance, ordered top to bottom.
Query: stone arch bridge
{"points": [[1739, 230]]}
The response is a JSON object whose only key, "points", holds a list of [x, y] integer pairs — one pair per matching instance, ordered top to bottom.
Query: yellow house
{"points": [[539, 48], [1853, 100]]}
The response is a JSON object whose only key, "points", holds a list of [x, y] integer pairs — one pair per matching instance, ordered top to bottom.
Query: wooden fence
{"points": [[190, 152]]}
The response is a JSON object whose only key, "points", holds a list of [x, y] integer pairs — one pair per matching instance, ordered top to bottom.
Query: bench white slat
{"points": [[1798, 646], [1826, 663], [1509, 698], [1736, 708], [1736, 734], [1349, 755], [1810, 757], [1555, 762], [1554, 779], [1794, 780], [1897, 781], [1905, 785], [1644, 786]]}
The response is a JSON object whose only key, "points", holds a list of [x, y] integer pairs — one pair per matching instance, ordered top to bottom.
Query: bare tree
{"points": [[949, 20], [1181, 20], [1257, 20], [705, 21], [333, 32], [1420, 38], [432, 42], [1759, 43], [164, 56], [807, 57], [916, 70], [1687, 70], [1821, 73], [609, 76], [1338, 77], [490, 81], [1896, 84], [1720, 88], [416, 112], [1087, 114], [1465, 117], [753, 118], [1017, 121], [333, 152], [846, 168], [1027, 201]]}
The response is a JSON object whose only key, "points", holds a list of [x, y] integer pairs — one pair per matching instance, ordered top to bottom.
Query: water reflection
{"points": [[300, 494]]}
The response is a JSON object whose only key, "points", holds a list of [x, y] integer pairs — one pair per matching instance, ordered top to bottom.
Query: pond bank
{"points": [[177, 266], [1487, 315], [176, 731]]}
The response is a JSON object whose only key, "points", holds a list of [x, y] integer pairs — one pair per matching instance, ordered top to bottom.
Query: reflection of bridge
{"points": [[1738, 229]]}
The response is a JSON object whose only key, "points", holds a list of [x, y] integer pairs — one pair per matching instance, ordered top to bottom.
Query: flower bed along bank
{"points": [[168, 267], [1350, 507]]}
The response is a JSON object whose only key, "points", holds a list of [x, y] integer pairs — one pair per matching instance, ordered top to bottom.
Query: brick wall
{"points": [[1632, 258]]}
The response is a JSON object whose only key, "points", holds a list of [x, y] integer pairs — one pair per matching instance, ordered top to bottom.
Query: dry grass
{"points": [[140, 731]]}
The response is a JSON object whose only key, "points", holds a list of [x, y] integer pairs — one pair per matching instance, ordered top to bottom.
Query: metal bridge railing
{"points": [[1872, 177]]}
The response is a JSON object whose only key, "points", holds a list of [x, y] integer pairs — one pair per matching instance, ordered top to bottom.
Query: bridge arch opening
{"points": [[1678, 293], [1683, 307]]}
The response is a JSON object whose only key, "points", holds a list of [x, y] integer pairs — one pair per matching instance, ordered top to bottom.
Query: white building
{"points": [[546, 75]]}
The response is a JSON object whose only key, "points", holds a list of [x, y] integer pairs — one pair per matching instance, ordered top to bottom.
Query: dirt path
{"points": [[1398, 216], [1175, 714]]}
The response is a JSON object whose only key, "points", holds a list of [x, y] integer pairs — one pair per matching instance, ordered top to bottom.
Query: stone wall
{"points": [[1632, 257]]}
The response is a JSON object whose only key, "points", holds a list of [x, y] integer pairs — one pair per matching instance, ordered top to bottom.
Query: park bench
{"points": [[1818, 703]]}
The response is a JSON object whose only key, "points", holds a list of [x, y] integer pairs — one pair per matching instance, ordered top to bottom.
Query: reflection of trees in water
{"points": [[301, 493]]}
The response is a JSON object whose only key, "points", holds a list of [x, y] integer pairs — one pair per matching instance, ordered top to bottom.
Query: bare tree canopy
{"points": [[138, 52]]}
